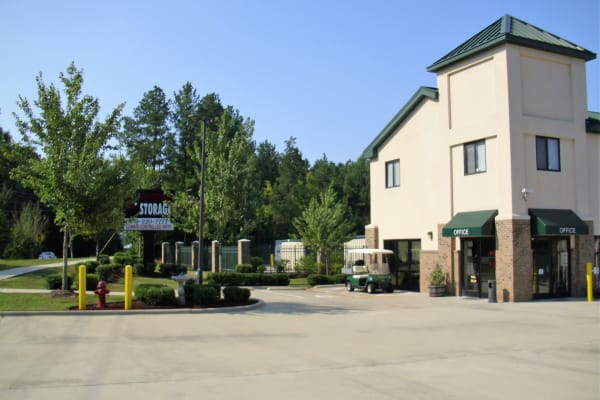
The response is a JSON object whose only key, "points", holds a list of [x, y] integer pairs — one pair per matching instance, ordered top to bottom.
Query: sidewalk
{"points": [[10, 273]]}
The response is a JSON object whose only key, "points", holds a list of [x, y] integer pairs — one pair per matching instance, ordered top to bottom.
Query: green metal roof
{"points": [[509, 29], [421, 94], [592, 123], [545, 221], [472, 223]]}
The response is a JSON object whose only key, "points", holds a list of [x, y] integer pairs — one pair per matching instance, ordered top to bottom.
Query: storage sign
{"points": [[149, 212]]}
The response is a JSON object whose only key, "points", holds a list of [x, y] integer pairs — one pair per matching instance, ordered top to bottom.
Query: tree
{"points": [[148, 137], [72, 144], [231, 189], [355, 189], [289, 195], [323, 225], [27, 231]]}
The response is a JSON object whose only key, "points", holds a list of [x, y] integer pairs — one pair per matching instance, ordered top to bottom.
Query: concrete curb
{"points": [[86, 313]]}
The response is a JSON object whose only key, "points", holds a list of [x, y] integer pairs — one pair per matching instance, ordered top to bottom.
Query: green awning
{"points": [[545, 221], [473, 223]]}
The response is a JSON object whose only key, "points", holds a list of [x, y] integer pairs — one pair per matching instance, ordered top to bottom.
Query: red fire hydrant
{"points": [[101, 291]]}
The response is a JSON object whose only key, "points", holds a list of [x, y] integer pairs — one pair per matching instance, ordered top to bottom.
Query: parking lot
{"points": [[322, 343]]}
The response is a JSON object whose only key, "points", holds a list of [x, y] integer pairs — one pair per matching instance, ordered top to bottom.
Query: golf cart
{"points": [[370, 271]]}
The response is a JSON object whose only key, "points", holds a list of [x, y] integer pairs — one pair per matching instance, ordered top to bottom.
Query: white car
{"points": [[46, 255]]}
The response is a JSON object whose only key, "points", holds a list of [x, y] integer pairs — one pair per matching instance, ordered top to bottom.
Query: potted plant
{"points": [[437, 282]]}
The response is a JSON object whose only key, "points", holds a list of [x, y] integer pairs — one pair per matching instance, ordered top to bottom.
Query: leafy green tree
{"points": [[148, 137], [72, 143], [267, 163], [231, 179], [111, 183], [355, 189], [288, 195], [323, 225], [27, 232]]}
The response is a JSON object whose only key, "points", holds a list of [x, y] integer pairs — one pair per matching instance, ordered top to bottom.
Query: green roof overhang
{"points": [[423, 93], [592, 123], [545, 221], [472, 223]]}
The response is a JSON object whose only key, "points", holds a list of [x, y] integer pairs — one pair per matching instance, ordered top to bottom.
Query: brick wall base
{"points": [[514, 269]]}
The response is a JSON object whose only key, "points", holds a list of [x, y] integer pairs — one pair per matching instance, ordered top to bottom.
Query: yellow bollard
{"points": [[272, 260], [588, 278], [128, 285], [82, 288]]}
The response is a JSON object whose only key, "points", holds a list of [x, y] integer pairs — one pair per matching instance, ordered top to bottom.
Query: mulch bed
{"points": [[138, 305]]}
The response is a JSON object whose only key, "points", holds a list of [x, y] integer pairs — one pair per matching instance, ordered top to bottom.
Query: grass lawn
{"points": [[37, 280], [299, 282], [42, 302]]}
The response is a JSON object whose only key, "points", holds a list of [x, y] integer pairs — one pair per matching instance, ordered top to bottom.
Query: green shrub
{"points": [[124, 258], [104, 259], [256, 262], [90, 266], [245, 268], [147, 269], [167, 270], [109, 272], [437, 277], [226, 278], [338, 278], [239, 279], [318, 279], [54, 281], [91, 281], [202, 294], [156, 295], [236, 295]]}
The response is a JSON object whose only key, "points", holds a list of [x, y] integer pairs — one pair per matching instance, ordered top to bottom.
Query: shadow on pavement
{"points": [[298, 308]]}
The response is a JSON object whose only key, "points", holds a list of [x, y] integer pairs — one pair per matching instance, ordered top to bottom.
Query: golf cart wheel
{"points": [[349, 287], [371, 288]]}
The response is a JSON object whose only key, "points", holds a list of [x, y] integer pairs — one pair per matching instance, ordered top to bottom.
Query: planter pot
{"points": [[437, 290]]}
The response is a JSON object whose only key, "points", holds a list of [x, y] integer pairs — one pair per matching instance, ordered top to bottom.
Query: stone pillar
{"points": [[372, 236], [178, 246], [243, 251], [582, 253], [195, 254], [165, 256], [445, 257], [514, 260], [215, 261]]}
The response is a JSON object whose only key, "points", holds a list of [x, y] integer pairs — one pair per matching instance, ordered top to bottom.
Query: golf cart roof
{"points": [[370, 251]]}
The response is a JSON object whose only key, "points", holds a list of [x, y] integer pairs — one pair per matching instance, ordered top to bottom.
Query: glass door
{"points": [[405, 264], [478, 265], [551, 267]]}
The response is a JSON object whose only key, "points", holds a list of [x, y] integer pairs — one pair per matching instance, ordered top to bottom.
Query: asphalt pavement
{"points": [[320, 343]]}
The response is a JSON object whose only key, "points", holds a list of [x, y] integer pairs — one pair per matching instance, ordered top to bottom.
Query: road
{"points": [[311, 344]]}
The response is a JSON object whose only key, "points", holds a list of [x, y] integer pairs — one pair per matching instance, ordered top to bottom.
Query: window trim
{"points": [[475, 144], [547, 164], [395, 171]]}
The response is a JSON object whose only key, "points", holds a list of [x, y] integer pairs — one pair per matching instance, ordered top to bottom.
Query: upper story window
{"points": [[547, 153], [475, 157], [392, 173]]}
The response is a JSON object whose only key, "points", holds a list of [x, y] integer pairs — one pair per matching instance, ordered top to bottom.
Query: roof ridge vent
{"points": [[506, 24]]}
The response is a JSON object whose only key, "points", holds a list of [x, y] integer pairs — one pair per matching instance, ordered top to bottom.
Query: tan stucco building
{"points": [[494, 174]]}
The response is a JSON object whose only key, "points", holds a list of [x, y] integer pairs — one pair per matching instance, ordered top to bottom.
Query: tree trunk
{"points": [[65, 257]]}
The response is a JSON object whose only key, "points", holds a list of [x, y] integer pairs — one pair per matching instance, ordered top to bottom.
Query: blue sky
{"points": [[329, 73]]}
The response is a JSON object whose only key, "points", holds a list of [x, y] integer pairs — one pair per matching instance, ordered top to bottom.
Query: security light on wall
{"points": [[525, 192]]}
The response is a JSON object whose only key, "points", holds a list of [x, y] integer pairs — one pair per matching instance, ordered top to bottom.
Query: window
{"points": [[547, 153], [474, 157], [392, 173]]}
